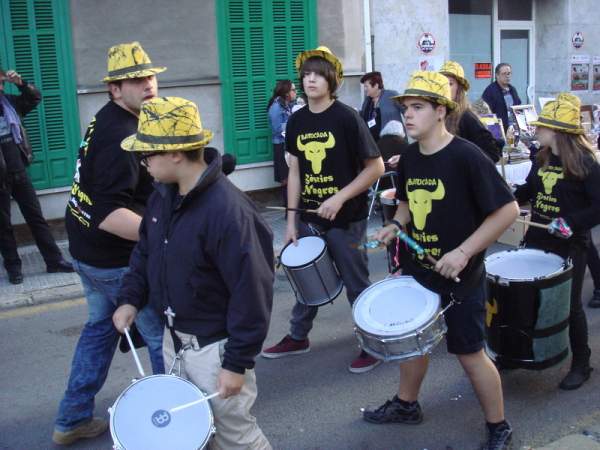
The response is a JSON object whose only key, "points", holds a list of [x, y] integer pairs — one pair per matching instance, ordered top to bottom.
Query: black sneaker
{"points": [[392, 411], [500, 439]]}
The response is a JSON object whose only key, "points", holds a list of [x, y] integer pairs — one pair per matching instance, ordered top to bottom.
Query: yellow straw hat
{"points": [[321, 52], [129, 61], [454, 69], [431, 86], [567, 96], [562, 114], [168, 124]]}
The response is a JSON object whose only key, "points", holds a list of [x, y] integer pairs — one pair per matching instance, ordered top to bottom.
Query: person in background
{"points": [[500, 95], [378, 108], [280, 109], [462, 121], [15, 155]]}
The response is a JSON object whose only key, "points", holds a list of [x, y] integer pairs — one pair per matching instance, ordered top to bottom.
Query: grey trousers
{"points": [[351, 262]]}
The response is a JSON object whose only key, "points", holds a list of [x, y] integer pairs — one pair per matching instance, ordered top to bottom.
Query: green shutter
{"points": [[37, 39], [258, 43]]}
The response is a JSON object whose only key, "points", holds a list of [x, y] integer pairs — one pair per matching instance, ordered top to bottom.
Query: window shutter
{"points": [[40, 36], [258, 43]]}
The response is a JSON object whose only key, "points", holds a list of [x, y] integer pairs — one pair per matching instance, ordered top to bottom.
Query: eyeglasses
{"points": [[146, 156]]}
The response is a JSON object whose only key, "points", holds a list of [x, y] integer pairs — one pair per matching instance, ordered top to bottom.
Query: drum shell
{"points": [[315, 283], [527, 321], [402, 346], [118, 445]]}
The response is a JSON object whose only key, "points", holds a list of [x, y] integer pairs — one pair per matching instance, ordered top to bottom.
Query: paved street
{"points": [[305, 402]]}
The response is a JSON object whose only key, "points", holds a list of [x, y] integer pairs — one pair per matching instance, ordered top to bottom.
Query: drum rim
{"points": [[388, 201], [302, 266], [566, 267], [388, 279], [111, 410]]}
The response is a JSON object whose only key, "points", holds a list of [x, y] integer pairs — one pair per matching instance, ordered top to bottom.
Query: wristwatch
{"points": [[395, 222]]}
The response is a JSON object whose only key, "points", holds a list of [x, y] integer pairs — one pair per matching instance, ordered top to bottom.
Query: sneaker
{"points": [[61, 266], [15, 277], [595, 300], [286, 347], [363, 363], [575, 378], [392, 411], [86, 430], [500, 439]]}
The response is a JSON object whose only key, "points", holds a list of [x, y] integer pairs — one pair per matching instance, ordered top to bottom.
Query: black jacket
{"points": [[494, 97], [24, 103], [472, 129], [209, 256]]}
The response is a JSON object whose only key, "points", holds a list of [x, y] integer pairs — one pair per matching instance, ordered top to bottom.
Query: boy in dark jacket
{"points": [[15, 155], [205, 261]]}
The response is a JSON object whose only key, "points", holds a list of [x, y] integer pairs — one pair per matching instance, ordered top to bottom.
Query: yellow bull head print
{"points": [[314, 151], [549, 179], [420, 203]]}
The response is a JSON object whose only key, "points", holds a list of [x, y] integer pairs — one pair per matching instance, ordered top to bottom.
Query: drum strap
{"points": [[550, 331], [177, 344]]}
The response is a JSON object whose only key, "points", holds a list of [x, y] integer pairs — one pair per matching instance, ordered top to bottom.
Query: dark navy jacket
{"points": [[494, 97], [208, 255]]}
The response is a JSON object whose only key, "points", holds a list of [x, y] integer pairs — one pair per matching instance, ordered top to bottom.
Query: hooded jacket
{"points": [[209, 256]]}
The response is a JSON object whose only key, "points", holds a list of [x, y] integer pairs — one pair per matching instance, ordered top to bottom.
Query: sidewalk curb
{"points": [[39, 296], [572, 442]]}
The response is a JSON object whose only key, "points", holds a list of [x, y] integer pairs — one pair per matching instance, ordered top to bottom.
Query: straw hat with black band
{"points": [[129, 61]]}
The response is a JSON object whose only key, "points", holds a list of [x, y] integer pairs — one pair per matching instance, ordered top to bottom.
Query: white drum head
{"points": [[388, 197], [308, 249], [524, 264], [394, 307], [140, 417]]}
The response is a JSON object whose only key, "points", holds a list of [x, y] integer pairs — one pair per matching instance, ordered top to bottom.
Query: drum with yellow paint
{"points": [[527, 308]]}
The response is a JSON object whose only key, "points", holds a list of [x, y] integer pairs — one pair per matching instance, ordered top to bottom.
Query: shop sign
{"points": [[577, 40], [426, 43], [483, 70]]}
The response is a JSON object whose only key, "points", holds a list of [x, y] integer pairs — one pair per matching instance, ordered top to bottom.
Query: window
{"points": [[515, 9]]}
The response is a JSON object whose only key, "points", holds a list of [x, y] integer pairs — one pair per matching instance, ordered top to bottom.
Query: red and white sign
{"points": [[426, 43], [483, 70]]}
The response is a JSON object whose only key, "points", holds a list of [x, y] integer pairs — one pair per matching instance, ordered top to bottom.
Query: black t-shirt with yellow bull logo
{"points": [[331, 147], [552, 194], [449, 195]]}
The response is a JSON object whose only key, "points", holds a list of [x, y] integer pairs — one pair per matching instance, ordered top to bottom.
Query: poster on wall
{"points": [[431, 63], [580, 72], [596, 73], [525, 115]]}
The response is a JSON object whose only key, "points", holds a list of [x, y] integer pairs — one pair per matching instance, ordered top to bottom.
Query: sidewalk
{"points": [[40, 287]]}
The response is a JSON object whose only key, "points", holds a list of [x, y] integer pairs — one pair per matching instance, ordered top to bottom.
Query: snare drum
{"points": [[389, 203], [311, 272], [527, 310], [398, 319], [140, 417]]}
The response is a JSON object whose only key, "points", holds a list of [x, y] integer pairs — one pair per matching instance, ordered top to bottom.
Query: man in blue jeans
{"points": [[109, 193]]}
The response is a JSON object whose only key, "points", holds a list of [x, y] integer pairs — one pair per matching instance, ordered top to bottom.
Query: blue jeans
{"points": [[98, 342]]}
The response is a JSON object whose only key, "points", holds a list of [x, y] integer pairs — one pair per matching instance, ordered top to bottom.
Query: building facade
{"points": [[226, 55]]}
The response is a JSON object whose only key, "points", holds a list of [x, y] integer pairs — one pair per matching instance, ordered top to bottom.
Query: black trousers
{"points": [[18, 186], [593, 262], [578, 328]]}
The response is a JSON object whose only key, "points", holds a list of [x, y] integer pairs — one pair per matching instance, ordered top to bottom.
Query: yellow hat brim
{"points": [[337, 64], [135, 74], [463, 81], [415, 93], [556, 125], [133, 144]]}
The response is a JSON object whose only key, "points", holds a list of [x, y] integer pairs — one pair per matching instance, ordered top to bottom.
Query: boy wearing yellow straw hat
{"points": [[462, 121], [334, 160], [563, 188], [455, 204], [103, 215], [205, 260]]}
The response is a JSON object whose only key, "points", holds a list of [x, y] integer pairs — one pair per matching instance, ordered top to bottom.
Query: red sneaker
{"points": [[286, 347], [363, 363]]}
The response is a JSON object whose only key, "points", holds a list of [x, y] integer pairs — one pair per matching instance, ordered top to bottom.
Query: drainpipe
{"points": [[367, 36]]}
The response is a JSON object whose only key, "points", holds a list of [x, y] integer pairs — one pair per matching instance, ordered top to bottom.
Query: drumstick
{"points": [[283, 208], [533, 224], [135, 355], [195, 402]]}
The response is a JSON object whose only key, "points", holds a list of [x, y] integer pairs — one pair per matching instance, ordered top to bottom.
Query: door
{"points": [[515, 49]]}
